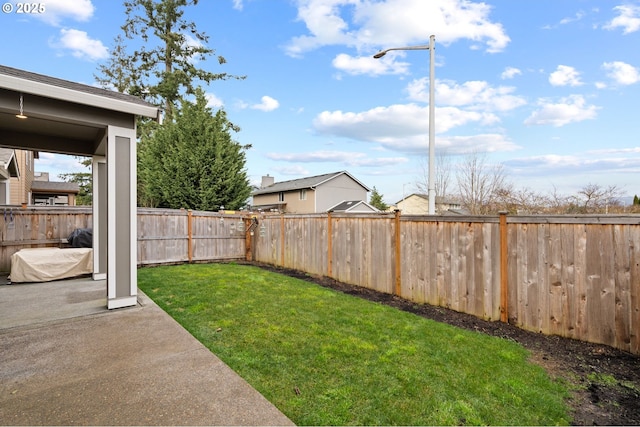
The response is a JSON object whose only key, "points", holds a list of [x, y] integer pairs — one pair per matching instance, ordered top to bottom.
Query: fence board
{"points": [[580, 241], [466, 272], [456, 278], [634, 281], [622, 286], [556, 288], [566, 324]]}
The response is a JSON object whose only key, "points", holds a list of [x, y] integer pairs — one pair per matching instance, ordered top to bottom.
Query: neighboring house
{"points": [[8, 169], [21, 185], [33, 188], [53, 193], [314, 194], [418, 204], [354, 206]]}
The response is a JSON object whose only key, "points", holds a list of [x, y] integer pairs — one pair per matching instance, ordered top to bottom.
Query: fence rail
{"points": [[577, 277]]}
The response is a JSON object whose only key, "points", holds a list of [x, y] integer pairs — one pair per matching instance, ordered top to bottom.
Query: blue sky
{"points": [[550, 89]]}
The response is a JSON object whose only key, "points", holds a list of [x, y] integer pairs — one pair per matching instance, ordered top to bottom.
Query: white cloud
{"points": [[237, 4], [58, 10], [578, 16], [628, 19], [564, 21], [394, 22], [192, 42], [81, 45], [369, 65], [509, 73], [622, 73], [565, 76], [476, 95], [213, 101], [267, 104], [571, 109], [402, 127], [490, 142], [633, 150], [316, 156], [347, 158], [546, 161], [377, 162], [582, 163], [57, 164], [292, 170]]}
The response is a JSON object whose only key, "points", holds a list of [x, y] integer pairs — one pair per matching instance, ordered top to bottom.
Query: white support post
{"points": [[122, 283]]}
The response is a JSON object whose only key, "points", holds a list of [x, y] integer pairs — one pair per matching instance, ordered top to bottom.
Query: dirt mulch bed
{"points": [[605, 382]]}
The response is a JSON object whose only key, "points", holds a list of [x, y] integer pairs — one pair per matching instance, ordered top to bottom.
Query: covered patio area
{"points": [[43, 113]]}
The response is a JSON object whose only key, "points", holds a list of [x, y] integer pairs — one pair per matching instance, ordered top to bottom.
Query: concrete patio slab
{"points": [[31, 303], [133, 366]]}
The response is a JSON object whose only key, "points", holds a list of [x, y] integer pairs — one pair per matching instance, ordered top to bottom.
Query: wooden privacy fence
{"points": [[37, 228], [164, 236], [168, 236], [577, 277]]}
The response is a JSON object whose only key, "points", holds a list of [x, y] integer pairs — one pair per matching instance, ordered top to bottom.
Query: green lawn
{"points": [[327, 358]]}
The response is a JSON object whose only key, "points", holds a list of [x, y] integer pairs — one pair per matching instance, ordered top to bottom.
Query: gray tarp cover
{"points": [[47, 264]]}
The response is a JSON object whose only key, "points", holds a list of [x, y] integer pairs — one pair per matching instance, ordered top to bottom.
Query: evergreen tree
{"points": [[163, 66], [192, 162], [85, 182], [376, 200], [636, 200]]}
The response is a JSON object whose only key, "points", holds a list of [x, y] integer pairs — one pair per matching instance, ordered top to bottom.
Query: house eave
{"points": [[65, 94]]}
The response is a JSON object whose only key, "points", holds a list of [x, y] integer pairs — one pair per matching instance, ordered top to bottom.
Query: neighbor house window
{"points": [[303, 194], [281, 196]]}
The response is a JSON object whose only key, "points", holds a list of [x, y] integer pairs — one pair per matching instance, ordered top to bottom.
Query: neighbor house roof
{"points": [[51, 87], [8, 162], [303, 183], [55, 187], [353, 206]]}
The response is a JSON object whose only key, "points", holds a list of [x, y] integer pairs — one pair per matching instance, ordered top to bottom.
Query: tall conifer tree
{"points": [[162, 65], [192, 162]]}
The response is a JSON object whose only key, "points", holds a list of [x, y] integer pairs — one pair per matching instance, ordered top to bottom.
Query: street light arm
{"points": [[384, 52]]}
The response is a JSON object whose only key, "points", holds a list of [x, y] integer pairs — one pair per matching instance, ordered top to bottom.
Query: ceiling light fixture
{"points": [[21, 115]]}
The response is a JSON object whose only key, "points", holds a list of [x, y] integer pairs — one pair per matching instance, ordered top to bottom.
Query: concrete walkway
{"points": [[66, 360]]}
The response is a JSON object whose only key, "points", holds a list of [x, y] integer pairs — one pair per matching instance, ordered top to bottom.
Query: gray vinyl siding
{"points": [[338, 190]]}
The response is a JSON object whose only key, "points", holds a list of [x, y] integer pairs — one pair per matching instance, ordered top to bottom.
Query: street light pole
{"points": [[432, 126]]}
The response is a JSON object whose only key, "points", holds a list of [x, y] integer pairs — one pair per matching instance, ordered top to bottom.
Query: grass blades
{"points": [[327, 358]]}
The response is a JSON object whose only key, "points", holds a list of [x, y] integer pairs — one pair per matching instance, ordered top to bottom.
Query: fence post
{"points": [[248, 230], [190, 235], [282, 240], [329, 245], [398, 254], [504, 297]]}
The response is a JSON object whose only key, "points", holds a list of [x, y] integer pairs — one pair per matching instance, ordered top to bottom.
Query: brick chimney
{"points": [[267, 181]]}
